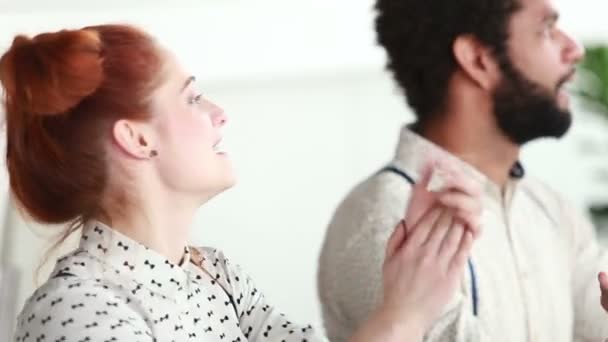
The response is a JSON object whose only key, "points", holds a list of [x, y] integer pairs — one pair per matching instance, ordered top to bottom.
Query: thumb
{"points": [[426, 172], [421, 199], [395, 241], [603, 279]]}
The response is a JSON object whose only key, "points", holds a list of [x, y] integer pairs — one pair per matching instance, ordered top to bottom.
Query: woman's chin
{"points": [[230, 183], [225, 184]]}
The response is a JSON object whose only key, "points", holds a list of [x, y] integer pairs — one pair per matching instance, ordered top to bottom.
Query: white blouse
{"points": [[115, 289]]}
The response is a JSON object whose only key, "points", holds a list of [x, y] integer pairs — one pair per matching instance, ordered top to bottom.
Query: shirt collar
{"points": [[413, 151], [124, 257]]}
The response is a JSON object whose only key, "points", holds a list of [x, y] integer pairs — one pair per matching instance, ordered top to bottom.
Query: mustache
{"points": [[566, 78]]}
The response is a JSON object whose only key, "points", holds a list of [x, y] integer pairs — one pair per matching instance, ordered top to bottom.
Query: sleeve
{"points": [[350, 269], [76, 314], [258, 319], [590, 320]]}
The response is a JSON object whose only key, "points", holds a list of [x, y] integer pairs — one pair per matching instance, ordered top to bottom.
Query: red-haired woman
{"points": [[107, 133]]}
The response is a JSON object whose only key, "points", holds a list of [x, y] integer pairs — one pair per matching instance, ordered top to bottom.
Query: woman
{"points": [[107, 132]]}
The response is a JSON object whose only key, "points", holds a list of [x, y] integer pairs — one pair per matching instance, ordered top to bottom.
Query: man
{"points": [[483, 78]]}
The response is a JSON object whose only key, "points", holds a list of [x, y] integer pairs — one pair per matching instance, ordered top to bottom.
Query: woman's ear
{"points": [[136, 139]]}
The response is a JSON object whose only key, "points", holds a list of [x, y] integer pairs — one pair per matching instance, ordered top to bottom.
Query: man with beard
{"points": [[483, 78]]}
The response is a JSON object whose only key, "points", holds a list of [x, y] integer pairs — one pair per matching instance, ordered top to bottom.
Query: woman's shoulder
{"points": [[74, 279], [63, 288], [64, 300], [70, 304]]}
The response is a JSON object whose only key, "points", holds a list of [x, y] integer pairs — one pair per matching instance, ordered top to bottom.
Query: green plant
{"points": [[592, 89]]}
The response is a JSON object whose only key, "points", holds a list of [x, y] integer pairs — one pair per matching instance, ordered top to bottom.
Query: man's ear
{"points": [[476, 61]]}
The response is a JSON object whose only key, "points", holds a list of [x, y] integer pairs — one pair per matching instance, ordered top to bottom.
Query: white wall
{"points": [[312, 112]]}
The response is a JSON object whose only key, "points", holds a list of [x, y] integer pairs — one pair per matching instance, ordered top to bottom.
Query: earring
{"points": [[153, 153]]}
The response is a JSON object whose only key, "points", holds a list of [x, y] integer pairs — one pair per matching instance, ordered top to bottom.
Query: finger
{"points": [[448, 165], [464, 183], [421, 200], [460, 201], [420, 203], [468, 209], [470, 222], [439, 231], [419, 233], [395, 240], [449, 245], [463, 252], [603, 279], [604, 302]]}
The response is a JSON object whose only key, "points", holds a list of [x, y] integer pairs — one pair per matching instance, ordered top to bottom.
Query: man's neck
{"points": [[484, 148]]}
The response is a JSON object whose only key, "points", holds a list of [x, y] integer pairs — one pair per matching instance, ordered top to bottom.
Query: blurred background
{"points": [[311, 111]]}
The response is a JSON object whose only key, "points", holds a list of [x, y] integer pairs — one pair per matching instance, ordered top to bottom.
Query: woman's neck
{"points": [[163, 226]]}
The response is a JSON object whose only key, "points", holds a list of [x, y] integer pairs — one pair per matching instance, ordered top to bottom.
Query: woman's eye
{"points": [[549, 30], [195, 99]]}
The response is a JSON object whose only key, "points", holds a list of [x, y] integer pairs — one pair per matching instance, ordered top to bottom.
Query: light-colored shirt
{"points": [[533, 274], [114, 289]]}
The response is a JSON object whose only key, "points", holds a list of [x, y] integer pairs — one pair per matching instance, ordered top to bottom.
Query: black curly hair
{"points": [[418, 36]]}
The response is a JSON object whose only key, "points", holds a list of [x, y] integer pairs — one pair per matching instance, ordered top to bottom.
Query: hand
{"points": [[460, 193], [427, 252], [425, 259], [422, 272], [603, 279]]}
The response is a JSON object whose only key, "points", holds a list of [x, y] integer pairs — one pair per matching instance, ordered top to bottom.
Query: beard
{"points": [[526, 110]]}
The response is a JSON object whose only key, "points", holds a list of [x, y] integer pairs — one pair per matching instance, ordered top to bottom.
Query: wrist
{"points": [[401, 323], [387, 325]]}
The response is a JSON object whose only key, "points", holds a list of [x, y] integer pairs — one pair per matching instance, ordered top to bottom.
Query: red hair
{"points": [[63, 93]]}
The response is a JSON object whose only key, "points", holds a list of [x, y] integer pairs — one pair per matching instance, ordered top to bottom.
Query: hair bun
{"points": [[52, 72]]}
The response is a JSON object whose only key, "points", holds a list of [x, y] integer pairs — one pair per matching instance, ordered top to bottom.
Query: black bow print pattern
{"points": [[140, 294]]}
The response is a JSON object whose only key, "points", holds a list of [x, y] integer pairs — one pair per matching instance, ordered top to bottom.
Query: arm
{"points": [[590, 320], [381, 327]]}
